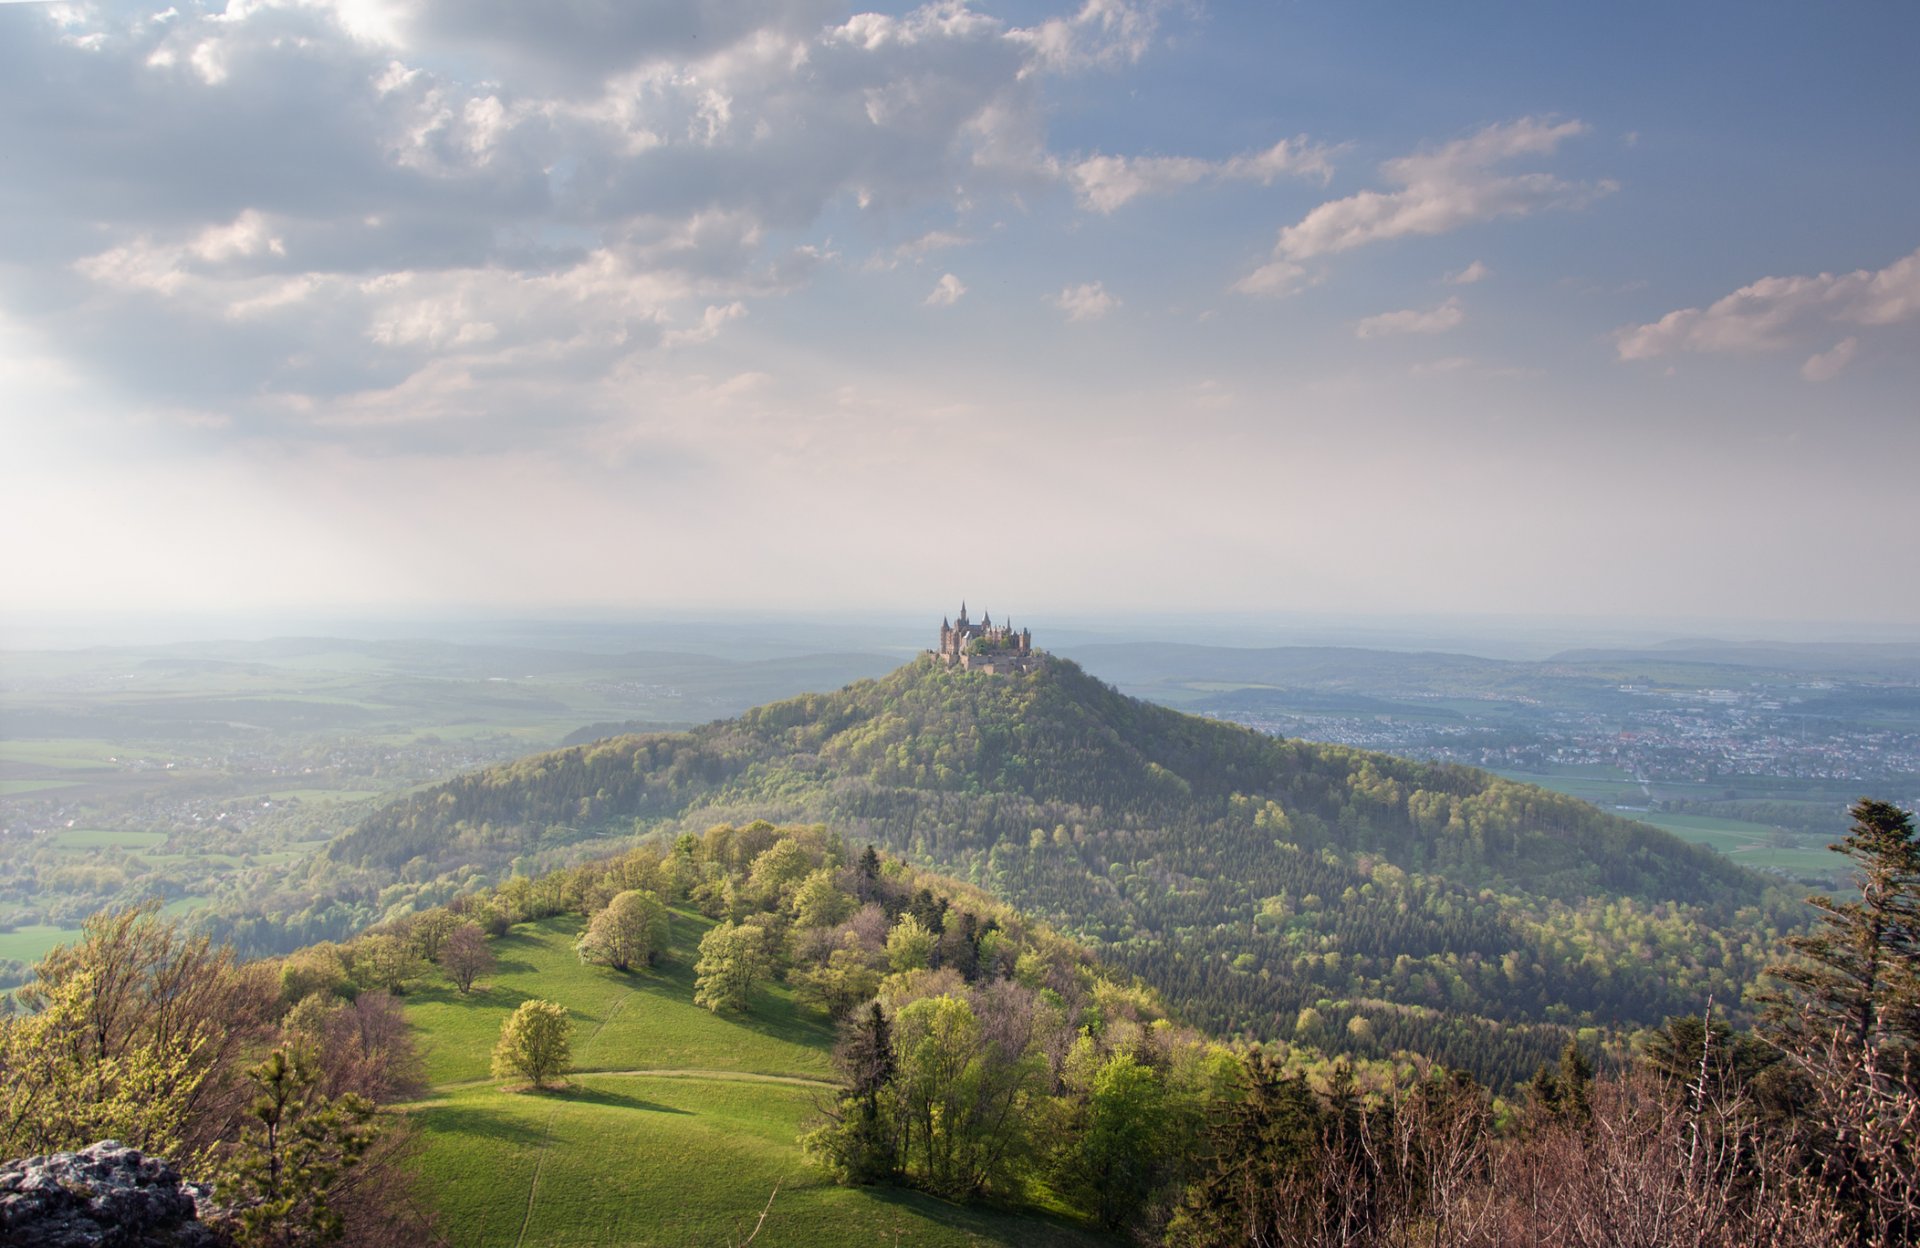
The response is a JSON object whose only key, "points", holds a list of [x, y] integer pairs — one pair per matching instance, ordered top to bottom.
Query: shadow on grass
{"points": [[582, 1095], [485, 1124], [991, 1221]]}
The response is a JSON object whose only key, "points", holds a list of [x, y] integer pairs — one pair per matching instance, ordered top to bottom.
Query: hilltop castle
{"points": [[984, 646]]}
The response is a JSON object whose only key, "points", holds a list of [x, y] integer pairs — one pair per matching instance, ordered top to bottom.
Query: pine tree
{"points": [[1856, 981]]}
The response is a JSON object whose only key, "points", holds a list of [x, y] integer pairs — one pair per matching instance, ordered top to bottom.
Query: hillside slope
{"points": [[1276, 888], [676, 1128]]}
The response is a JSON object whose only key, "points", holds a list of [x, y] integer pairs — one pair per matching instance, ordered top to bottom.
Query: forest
{"points": [[1269, 889], [983, 1059]]}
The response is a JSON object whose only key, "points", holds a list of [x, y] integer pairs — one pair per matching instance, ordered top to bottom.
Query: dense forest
{"points": [[1267, 888]]}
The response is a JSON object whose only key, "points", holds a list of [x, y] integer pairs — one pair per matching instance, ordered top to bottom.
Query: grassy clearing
{"points": [[70, 753], [1605, 787], [10, 788], [310, 796], [103, 838], [1749, 844], [31, 942], [622, 1022], [676, 1128]]}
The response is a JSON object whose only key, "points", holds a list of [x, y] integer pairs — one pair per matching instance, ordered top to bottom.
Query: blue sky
{"points": [[415, 304]]}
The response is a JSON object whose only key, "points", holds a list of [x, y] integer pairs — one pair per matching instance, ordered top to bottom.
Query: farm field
{"points": [[31, 942], [676, 1128]]}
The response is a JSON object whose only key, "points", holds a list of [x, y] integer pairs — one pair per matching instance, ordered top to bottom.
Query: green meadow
{"points": [[1749, 844], [30, 942], [677, 1126]]}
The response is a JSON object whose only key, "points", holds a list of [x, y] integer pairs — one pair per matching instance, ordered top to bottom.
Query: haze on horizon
{"points": [[415, 305]]}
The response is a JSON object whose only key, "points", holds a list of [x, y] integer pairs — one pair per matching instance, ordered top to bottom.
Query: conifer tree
{"points": [[1856, 980]]}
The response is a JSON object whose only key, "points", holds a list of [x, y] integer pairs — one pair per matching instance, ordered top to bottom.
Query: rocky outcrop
{"points": [[104, 1196]]}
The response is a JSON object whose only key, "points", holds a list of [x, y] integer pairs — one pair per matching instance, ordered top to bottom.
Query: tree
{"points": [[776, 871], [818, 901], [428, 931], [630, 932], [910, 945], [465, 955], [733, 958], [382, 961], [1857, 977], [843, 983], [114, 1011], [536, 1043], [58, 1090], [857, 1141], [1117, 1157], [280, 1180]]}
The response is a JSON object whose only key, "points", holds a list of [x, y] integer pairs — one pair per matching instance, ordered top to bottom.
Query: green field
{"points": [[71, 753], [1605, 787], [9, 788], [98, 838], [1749, 844], [29, 943], [677, 1127]]}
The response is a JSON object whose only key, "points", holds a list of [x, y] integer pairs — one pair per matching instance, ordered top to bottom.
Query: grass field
{"points": [[9, 788], [99, 838], [1749, 844], [29, 943], [677, 1127]]}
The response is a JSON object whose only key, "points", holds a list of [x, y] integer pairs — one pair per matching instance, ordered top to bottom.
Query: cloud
{"points": [[1101, 33], [1104, 183], [1457, 185], [297, 211], [917, 249], [1475, 272], [946, 292], [1086, 302], [1786, 313], [1411, 321], [709, 327], [1831, 363]]}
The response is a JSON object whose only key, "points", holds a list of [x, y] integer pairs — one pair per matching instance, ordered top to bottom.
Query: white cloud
{"points": [[1101, 33], [1104, 183], [1443, 190], [482, 196], [1475, 272], [946, 292], [1088, 301], [1786, 313], [1411, 321], [709, 327], [1831, 363]]}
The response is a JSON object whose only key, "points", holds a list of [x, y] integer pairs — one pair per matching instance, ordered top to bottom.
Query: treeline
{"points": [[1407, 905], [1804, 1132]]}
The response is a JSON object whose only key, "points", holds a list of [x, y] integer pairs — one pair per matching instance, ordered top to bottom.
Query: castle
{"points": [[985, 646]]}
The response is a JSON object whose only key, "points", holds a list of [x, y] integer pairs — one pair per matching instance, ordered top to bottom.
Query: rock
{"points": [[104, 1196]]}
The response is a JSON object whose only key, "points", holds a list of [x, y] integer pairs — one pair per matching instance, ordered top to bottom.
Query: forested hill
{"points": [[1277, 888]]}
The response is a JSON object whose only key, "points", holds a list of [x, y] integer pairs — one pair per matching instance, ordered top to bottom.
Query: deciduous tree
{"points": [[630, 932], [466, 955], [536, 1043]]}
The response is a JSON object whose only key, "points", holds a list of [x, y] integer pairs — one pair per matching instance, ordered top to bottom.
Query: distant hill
{"points": [[1274, 888]]}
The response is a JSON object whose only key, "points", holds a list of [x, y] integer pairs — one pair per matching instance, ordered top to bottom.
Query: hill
{"points": [[1277, 889], [677, 1126]]}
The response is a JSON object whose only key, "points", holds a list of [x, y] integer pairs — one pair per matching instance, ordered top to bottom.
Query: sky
{"points": [[1104, 305]]}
